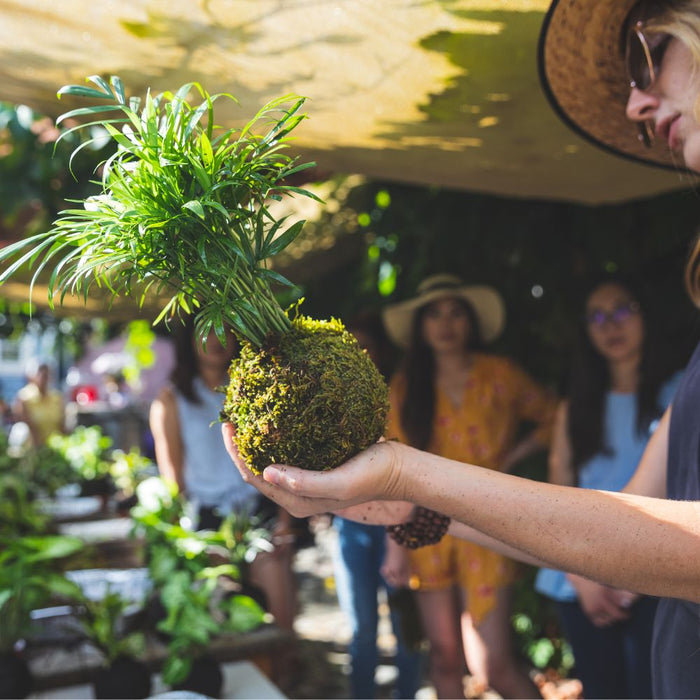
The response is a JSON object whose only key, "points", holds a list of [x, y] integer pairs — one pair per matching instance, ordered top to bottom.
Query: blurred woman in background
{"points": [[618, 392], [452, 399]]}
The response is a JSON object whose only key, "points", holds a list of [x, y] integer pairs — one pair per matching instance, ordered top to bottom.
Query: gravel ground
{"points": [[323, 633]]}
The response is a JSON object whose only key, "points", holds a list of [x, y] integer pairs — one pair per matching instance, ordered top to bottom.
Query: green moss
{"points": [[311, 398]]}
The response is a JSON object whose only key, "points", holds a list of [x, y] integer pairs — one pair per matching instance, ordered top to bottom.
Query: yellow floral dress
{"points": [[498, 397]]}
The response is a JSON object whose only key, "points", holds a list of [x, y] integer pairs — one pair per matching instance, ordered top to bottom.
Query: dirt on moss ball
{"points": [[311, 398]]}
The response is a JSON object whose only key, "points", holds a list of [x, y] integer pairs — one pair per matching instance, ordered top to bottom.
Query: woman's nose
{"points": [[641, 105]]}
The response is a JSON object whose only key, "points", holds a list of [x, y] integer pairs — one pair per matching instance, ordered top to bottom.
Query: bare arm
{"points": [[165, 426], [522, 450], [561, 468], [650, 477], [648, 545], [602, 604]]}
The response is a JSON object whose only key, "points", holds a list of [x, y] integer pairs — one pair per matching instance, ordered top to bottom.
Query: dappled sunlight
{"points": [[400, 90]]}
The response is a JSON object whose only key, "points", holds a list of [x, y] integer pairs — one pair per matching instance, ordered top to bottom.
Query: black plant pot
{"points": [[100, 486], [125, 503], [154, 612], [126, 677], [205, 677], [16, 679]]}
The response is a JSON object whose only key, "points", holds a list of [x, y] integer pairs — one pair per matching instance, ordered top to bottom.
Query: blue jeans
{"points": [[357, 562], [614, 661]]}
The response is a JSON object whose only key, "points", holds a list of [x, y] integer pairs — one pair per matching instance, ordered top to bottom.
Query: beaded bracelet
{"points": [[426, 527]]}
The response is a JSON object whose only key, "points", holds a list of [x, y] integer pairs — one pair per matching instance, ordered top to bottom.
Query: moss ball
{"points": [[311, 398]]}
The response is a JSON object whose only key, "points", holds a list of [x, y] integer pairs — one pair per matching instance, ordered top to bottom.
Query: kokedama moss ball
{"points": [[311, 398]]}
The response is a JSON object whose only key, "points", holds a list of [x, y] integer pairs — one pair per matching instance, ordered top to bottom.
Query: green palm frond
{"points": [[183, 210]]}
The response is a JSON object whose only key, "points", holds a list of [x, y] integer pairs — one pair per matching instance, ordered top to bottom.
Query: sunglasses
{"points": [[643, 57], [618, 315]]}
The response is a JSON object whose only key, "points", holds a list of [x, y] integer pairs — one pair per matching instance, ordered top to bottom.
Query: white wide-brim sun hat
{"points": [[486, 302]]}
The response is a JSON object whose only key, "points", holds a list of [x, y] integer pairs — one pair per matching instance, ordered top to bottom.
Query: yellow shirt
{"points": [[498, 398], [45, 412]]}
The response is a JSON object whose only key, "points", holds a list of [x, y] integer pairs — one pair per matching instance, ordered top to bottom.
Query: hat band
{"points": [[441, 285]]}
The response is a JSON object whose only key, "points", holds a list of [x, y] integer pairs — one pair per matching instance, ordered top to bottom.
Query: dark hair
{"points": [[186, 366], [590, 382], [418, 408]]}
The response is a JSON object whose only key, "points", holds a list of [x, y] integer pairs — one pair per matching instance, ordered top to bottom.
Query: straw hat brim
{"points": [[583, 74], [486, 302]]}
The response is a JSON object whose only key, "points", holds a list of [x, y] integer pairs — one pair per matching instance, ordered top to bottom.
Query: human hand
{"points": [[371, 475], [395, 569], [625, 599], [602, 605]]}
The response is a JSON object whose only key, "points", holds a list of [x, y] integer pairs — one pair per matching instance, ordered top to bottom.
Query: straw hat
{"points": [[582, 70], [486, 302]]}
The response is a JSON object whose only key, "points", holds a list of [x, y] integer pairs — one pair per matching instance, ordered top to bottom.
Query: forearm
{"points": [[526, 447], [466, 532], [643, 544]]}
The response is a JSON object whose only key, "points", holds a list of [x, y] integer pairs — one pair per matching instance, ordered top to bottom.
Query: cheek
{"points": [[636, 333], [596, 338]]}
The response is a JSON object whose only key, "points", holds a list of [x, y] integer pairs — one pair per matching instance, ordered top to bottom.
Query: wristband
{"points": [[427, 527]]}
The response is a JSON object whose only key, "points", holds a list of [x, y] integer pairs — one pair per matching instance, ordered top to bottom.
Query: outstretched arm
{"points": [[648, 545]]}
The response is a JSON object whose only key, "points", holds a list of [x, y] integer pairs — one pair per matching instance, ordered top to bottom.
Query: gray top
{"points": [[211, 479], [676, 645]]}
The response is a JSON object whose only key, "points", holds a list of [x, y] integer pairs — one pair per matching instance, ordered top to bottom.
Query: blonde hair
{"points": [[682, 19], [692, 273]]}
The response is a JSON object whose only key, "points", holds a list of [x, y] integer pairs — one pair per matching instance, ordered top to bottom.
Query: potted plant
{"points": [[184, 211], [87, 450], [41, 470], [128, 470], [19, 514], [28, 580], [194, 601], [197, 610], [123, 675]]}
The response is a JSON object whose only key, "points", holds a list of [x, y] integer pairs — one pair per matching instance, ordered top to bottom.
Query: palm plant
{"points": [[184, 213]]}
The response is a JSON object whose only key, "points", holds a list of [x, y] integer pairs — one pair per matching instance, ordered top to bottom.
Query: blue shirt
{"points": [[612, 470]]}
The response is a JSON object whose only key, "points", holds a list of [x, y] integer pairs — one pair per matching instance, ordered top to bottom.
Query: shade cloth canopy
{"points": [[432, 92]]}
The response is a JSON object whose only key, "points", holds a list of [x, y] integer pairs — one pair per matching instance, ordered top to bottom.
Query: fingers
{"points": [[229, 433], [303, 492], [625, 599], [609, 612]]}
